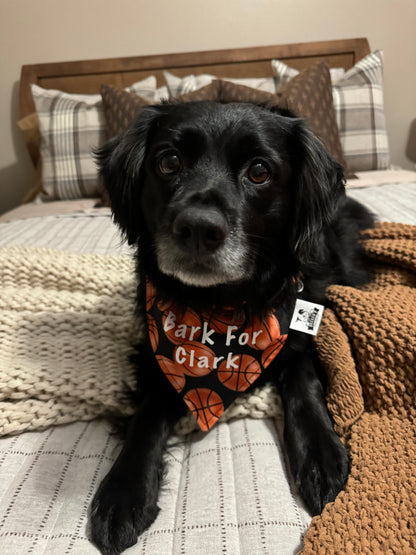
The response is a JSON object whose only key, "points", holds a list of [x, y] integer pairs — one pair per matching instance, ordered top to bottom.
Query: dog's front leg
{"points": [[319, 461], [126, 501]]}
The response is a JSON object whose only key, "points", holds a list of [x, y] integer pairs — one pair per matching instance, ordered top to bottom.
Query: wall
{"points": [[51, 30]]}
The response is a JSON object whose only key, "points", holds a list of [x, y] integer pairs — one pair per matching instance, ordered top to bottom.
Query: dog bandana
{"points": [[210, 358]]}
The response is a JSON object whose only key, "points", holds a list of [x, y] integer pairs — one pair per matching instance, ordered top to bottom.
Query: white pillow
{"points": [[190, 83]]}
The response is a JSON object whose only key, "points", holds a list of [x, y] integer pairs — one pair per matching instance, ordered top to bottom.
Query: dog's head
{"points": [[214, 192]]}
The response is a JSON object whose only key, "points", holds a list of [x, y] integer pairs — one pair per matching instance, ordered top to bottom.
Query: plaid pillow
{"points": [[359, 109], [71, 126]]}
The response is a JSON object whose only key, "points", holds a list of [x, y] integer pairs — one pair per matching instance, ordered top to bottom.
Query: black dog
{"points": [[229, 205]]}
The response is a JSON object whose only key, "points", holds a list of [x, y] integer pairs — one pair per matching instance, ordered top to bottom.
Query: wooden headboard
{"points": [[86, 76]]}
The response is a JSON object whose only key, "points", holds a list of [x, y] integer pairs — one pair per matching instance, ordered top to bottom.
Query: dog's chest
{"points": [[211, 357]]}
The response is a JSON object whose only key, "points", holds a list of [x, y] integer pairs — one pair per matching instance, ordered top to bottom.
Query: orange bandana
{"points": [[210, 358]]}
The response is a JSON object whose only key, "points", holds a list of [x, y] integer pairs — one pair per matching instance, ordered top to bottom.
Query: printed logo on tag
{"points": [[306, 317]]}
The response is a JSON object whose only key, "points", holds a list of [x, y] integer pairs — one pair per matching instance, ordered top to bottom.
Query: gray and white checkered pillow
{"points": [[359, 108], [71, 126]]}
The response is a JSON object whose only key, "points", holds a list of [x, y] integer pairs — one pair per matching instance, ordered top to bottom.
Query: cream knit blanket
{"points": [[67, 326]]}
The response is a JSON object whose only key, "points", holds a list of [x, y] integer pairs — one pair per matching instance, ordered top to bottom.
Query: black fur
{"points": [[212, 231]]}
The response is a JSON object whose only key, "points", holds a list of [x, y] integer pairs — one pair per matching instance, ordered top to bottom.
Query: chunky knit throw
{"points": [[66, 322], [67, 326], [367, 343]]}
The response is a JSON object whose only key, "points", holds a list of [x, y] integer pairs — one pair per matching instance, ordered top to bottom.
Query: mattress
{"points": [[227, 491]]}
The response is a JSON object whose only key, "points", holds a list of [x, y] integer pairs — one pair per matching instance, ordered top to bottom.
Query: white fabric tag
{"points": [[306, 317]]}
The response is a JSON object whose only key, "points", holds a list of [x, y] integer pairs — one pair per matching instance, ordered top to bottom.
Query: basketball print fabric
{"points": [[210, 358]]}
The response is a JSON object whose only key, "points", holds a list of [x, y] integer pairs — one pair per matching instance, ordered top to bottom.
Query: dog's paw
{"points": [[321, 470], [119, 514]]}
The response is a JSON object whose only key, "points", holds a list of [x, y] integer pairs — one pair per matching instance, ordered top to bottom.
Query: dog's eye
{"points": [[169, 164], [258, 172]]}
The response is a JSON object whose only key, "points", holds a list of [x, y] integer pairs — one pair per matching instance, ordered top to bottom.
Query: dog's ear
{"points": [[120, 164], [320, 183]]}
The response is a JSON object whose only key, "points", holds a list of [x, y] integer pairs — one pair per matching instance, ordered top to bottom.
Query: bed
{"points": [[66, 319]]}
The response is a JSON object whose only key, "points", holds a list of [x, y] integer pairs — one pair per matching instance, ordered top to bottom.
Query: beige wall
{"points": [[53, 30]]}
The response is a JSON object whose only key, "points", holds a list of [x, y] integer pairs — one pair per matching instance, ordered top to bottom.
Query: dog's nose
{"points": [[200, 229]]}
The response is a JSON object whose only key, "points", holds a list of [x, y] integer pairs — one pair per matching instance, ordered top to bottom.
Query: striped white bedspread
{"points": [[391, 202], [95, 233]]}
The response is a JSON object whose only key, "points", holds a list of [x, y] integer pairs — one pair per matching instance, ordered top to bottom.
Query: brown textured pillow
{"points": [[209, 92], [233, 92], [308, 95], [120, 108]]}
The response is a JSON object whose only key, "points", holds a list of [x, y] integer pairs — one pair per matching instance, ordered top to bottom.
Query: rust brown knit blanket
{"points": [[367, 344]]}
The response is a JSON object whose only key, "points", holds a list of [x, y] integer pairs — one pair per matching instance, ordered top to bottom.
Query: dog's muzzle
{"points": [[202, 248]]}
